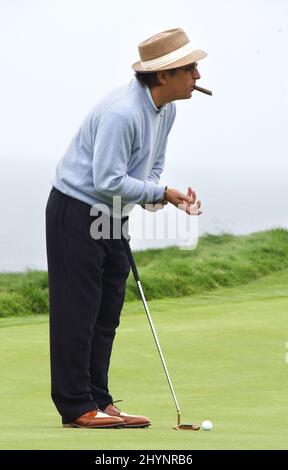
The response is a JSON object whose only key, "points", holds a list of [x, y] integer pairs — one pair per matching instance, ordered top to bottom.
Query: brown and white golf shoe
{"points": [[96, 419], [130, 421]]}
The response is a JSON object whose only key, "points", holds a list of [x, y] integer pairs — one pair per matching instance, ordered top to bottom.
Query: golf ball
{"points": [[206, 425]]}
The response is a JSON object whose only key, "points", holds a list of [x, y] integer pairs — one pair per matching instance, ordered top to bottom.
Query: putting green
{"points": [[226, 355]]}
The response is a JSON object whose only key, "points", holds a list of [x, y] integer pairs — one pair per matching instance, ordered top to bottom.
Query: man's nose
{"points": [[196, 74]]}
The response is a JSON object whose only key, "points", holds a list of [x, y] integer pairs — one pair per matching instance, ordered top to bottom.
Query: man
{"points": [[119, 151]]}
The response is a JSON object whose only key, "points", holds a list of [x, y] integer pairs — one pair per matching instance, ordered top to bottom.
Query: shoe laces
{"points": [[116, 401]]}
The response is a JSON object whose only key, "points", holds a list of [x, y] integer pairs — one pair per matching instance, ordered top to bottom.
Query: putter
{"points": [[186, 427]]}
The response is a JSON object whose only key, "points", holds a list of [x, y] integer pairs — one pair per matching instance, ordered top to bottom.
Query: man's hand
{"points": [[186, 202], [153, 207]]}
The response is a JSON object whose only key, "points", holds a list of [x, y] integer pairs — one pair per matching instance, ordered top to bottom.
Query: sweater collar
{"points": [[148, 98], [151, 101]]}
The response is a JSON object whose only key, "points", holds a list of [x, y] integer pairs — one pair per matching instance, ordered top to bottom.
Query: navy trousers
{"points": [[87, 279]]}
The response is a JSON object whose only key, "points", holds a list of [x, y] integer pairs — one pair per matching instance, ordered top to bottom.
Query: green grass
{"points": [[219, 261], [225, 351]]}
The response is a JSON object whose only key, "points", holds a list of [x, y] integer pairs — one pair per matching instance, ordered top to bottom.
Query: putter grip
{"points": [[130, 257]]}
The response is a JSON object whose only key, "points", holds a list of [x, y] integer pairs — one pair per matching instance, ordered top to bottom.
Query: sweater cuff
{"points": [[159, 193]]}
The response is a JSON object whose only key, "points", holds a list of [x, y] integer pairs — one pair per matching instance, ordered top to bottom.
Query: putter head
{"points": [[187, 427]]}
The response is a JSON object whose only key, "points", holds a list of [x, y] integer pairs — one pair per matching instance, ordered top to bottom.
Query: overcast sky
{"points": [[59, 57]]}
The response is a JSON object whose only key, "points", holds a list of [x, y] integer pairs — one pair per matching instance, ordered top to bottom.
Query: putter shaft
{"points": [[136, 276], [159, 350]]}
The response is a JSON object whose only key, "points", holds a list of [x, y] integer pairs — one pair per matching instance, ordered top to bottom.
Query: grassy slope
{"points": [[218, 261], [226, 354]]}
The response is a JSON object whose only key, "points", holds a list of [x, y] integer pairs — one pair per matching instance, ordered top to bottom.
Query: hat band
{"points": [[168, 58]]}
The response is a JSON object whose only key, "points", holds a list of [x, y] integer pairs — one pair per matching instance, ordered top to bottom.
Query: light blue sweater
{"points": [[119, 150]]}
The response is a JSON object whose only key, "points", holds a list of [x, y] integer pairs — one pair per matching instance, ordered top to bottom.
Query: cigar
{"points": [[203, 90]]}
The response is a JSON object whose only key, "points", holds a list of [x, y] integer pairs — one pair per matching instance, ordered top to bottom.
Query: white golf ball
{"points": [[206, 425]]}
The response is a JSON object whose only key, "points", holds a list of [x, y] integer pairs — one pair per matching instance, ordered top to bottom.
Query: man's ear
{"points": [[162, 76]]}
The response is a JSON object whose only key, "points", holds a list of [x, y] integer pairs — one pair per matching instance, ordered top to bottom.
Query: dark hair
{"points": [[150, 78]]}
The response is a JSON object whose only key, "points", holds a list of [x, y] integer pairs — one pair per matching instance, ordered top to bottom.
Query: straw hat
{"points": [[167, 50]]}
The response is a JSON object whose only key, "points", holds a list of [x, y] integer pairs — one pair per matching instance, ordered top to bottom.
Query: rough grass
{"points": [[219, 261]]}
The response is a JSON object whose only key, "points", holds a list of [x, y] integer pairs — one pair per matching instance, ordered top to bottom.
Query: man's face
{"points": [[181, 84]]}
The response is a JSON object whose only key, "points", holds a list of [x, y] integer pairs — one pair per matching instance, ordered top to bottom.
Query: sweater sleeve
{"points": [[112, 151]]}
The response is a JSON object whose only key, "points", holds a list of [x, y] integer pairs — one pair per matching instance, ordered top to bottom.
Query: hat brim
{"points": [[188, 59]]}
